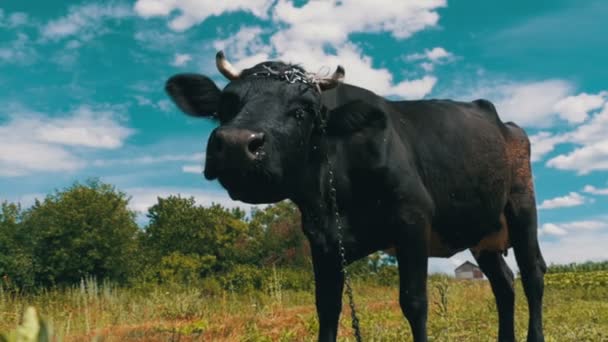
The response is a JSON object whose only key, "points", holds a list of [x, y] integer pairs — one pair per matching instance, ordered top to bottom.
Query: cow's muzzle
{"points": [[233, 150]]}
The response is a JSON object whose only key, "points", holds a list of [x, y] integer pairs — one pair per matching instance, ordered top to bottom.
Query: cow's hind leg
{"points": [[522, 221], [500, 275]]}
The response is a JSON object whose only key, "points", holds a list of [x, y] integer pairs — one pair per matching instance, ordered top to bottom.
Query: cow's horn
{"points": [[225, 67], [334, 80]]}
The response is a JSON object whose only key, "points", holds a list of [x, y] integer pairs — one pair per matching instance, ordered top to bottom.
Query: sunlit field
{"points": [[576, 309]]}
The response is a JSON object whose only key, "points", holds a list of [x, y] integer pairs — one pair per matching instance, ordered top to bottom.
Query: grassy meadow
{"points": [[209, 273], [576, 309]]}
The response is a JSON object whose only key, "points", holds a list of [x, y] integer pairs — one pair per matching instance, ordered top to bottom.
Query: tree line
{"points": [[88, 230], [589, 266]]}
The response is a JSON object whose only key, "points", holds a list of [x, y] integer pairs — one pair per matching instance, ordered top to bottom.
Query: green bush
{"points": [[86, 229], [184, 268], [387, 276], [243, 278], [247, 278], [296, 279], [210, 287]]}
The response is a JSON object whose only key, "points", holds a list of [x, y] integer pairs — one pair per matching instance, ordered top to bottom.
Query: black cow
{"points": [[427, 177]]}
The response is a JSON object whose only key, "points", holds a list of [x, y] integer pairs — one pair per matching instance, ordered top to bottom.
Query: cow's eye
{"points": [[299, 113]]}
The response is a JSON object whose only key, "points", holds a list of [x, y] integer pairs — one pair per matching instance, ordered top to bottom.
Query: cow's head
{"points": [[267, 116]]}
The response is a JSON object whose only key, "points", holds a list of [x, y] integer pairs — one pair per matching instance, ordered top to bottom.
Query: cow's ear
{"points": [[194, 94], [355, 116]]}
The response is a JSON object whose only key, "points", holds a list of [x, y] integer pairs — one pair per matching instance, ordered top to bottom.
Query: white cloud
{"points": [[192, 12], [16, 19], [84, 21], [329, 21], [320, 22], [314, 26], [307, 33], [157, 39], [245, 43], [73, 44], [18, 51], [437, 53], [434, 55], [430, 58], [181, 59], [427, 66], [359, 70], [413, 89], [143, 101], [538, 103], [547, 103], [527, 104], [162, 105], [575, 108], [85, 127], [592, 131], [589, 138], [32, 142], [544, 143], [593, 154], [23, 158], [149, 159], [584, 160], [198, 169], [590, 189], [144, 198], [572, 199], [25, 200], [28, 200], [585, 225], [578, 227], [552, 229], [575, 241], [579, 247]]}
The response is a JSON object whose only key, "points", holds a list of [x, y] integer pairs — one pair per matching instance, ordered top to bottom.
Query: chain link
{"points": [[292, 75], [342, 252]]}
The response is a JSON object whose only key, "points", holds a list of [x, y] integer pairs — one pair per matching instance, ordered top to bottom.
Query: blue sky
{"points": [[82, 88]]}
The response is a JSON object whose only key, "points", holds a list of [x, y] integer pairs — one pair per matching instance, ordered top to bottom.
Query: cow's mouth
{"points": [[250, 186]]}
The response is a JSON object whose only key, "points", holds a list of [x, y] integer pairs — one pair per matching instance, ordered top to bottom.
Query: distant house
{"points": [[468, 270]]}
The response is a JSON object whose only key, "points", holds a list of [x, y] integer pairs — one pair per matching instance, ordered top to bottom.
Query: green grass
{"points": [[576, 309]]}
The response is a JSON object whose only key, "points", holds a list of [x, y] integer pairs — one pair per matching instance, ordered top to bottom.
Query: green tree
{"points": [[86, 229], [182, 232], [276, 237], [15, 249]]}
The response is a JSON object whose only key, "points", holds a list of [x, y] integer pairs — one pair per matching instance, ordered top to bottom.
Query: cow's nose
{"points": [[255, 142], [236, 146]]}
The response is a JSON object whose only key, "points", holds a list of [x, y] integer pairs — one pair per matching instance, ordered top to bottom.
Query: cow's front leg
{"points": [[412, 255], [329, 282]]}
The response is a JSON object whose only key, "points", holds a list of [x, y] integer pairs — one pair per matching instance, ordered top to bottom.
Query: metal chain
{"points": [[292, 75], [342, 252]]}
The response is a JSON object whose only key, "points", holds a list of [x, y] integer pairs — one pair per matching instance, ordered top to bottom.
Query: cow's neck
{"points": [[313, 196]]}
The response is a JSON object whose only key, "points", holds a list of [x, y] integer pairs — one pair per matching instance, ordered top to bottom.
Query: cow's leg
{"points": [[522, 221], [412, 256], [500, 275], [329, 282]]}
